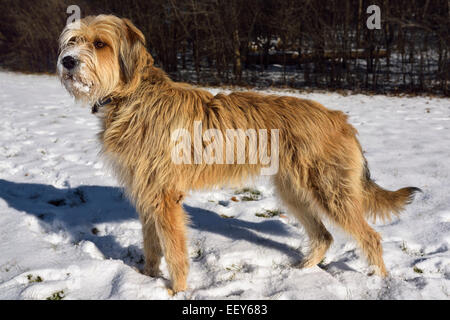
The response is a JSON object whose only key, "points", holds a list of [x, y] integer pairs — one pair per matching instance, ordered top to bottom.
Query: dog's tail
{"points": [[382, 203]]}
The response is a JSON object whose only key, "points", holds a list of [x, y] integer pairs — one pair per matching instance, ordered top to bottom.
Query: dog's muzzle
{"points": [[69, 62]]}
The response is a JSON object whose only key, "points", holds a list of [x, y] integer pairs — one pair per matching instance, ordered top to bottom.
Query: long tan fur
{"points": [[322, 170]]}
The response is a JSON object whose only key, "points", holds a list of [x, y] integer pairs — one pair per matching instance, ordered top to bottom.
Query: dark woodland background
{"points": [[292, 43]]}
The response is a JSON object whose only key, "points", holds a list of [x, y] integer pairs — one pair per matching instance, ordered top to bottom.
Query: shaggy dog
{"points": [[322, 169]]}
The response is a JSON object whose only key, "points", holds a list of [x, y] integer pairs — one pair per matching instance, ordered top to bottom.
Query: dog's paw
{"points": [[311, 261], [308, 264], [375, 270], [152, 272], [174, 290], [171, 292]]}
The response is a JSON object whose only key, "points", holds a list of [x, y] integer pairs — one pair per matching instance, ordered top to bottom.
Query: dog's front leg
{"points": [[170, 224], [152, 246]]}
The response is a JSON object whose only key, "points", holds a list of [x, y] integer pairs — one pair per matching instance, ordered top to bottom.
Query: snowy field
{"points": [[66, 231]]}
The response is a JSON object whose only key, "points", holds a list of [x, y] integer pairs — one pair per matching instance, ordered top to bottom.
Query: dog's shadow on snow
{"points": [[88, 213], [81, 214], [206, 220]]}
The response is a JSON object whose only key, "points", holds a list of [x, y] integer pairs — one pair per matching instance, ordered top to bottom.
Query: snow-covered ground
{"points": [[66, 230]]}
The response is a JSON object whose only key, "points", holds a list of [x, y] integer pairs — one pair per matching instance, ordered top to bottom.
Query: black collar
{"points": [[100, 104]]}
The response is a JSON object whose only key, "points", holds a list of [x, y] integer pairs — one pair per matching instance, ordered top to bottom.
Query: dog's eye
{"points": [[99, 44]]}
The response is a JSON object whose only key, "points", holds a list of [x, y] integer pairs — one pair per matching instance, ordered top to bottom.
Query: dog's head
{"points": [[100, 56]]}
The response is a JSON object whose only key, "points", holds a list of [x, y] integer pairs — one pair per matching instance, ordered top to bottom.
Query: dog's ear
{"points": [[133, 33], [132, 53]]}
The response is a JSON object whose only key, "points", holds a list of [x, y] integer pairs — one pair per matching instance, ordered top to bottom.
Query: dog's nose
{"points": [[69, 62]]}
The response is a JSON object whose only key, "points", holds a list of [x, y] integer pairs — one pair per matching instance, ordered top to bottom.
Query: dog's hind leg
{"points": [[340, 194], [300, 204], [170, 224], [368, 239], [370, 242]]}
